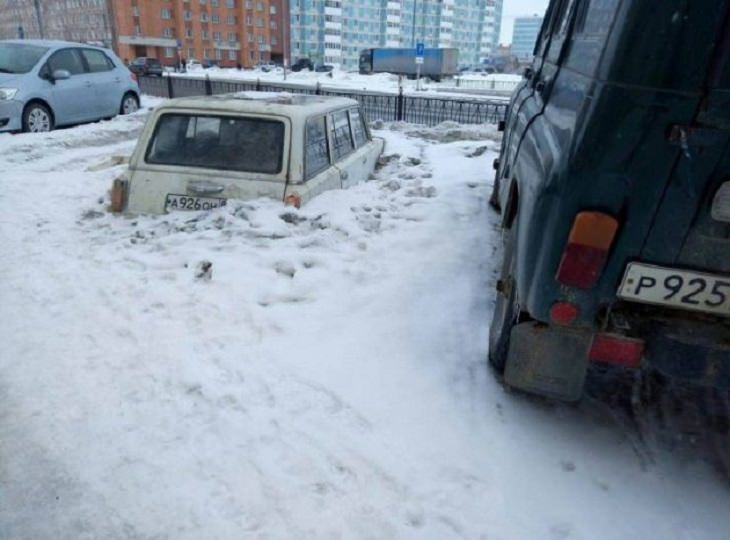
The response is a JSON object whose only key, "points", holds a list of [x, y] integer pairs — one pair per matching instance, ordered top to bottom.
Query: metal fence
{"points": [[377, 105]]}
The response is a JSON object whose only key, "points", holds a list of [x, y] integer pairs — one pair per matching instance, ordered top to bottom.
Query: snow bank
{"points": [[325, 377]]}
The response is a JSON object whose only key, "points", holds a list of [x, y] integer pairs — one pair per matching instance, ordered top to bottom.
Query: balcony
{"points": [[336, 12], [148, 41], [228, 45]]}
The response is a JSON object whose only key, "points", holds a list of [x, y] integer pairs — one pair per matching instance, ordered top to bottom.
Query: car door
{"points": [[106, 83], [71, 99], [343, 146], [358, 165], [319, 173]]}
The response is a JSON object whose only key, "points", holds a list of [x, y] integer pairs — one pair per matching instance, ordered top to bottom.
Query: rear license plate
{"points": [[186, 202], [676, 288]]}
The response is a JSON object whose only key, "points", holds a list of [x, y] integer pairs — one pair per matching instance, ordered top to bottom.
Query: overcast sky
{"points": [[515, 8]]}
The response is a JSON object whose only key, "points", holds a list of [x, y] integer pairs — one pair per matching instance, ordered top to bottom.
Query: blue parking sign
{"points": [[419, 49]]}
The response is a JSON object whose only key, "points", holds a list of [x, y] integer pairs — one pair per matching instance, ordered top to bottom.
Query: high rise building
{"points": [[70, 20], [335, 31], [228, 32], [524, 36]]}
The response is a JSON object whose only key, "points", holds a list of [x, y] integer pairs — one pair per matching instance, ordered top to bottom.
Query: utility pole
{"points": [[39, 17], [285, 33], [413, 33]]}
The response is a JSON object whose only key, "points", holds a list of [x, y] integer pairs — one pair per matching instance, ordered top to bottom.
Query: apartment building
{"points": [[72, 20], [335, 31], [226, 32]]}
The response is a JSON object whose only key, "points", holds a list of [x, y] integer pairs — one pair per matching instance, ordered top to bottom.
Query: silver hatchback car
{"points": [[44, 84]]}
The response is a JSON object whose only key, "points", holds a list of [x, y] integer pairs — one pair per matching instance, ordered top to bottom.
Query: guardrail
{"points": [[387, 106]]}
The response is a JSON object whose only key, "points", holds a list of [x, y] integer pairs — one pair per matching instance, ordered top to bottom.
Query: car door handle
{"points": [[344, 175], [204, 187]]}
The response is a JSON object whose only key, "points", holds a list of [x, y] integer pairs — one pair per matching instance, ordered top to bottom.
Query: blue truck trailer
{"points": [[437, 63]]}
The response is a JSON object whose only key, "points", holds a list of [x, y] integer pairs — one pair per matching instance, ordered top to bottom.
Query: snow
{"points": [[327, 379]]}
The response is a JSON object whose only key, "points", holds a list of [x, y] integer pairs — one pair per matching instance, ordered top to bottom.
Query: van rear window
{"points": [[245, 144]]}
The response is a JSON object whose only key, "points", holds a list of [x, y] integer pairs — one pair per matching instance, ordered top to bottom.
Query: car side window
{"points": [[592, 26], [561, 29], [67, 59], [96, 60], [358, 128], [340, 134], [316, 151]]}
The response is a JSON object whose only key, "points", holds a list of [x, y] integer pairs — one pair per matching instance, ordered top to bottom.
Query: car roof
{"points": [[51, 43], [281, 103]]}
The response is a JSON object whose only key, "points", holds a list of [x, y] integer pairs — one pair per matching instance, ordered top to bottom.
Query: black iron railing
{"points": [[377, 105]]}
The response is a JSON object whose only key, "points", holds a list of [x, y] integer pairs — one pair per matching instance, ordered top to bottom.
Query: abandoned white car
{"points": [[196, 153]]}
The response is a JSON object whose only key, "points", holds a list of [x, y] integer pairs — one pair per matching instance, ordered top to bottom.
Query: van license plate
{"points": [[186, 202], [676, 288]]}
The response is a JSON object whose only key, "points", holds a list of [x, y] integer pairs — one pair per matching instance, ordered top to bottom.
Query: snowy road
{"points": [[329, 381]]}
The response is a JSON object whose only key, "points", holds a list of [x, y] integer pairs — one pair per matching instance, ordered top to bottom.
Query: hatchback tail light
{"points": [[133, 76], [118, 195], [587, 250]]}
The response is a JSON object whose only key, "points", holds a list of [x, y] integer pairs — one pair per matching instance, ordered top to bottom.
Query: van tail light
{"points": [[133, 76], [118, 195], [293, 199], [587, 250], [617, 350]]}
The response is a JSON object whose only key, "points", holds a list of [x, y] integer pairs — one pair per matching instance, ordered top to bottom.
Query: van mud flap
{"points": [[547, 360]]}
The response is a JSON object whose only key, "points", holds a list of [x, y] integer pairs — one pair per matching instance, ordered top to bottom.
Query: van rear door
{"points": [[684, 232]]}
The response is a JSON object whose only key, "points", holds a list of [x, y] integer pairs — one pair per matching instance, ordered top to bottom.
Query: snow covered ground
{"points": [[328, 381]]}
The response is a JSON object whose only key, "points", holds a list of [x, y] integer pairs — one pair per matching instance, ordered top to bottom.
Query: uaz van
{"points": [[614, 187]]}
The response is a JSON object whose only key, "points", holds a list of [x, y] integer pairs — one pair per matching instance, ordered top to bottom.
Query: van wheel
{"points": [[130, 104], [37, 118], [505, 313]]}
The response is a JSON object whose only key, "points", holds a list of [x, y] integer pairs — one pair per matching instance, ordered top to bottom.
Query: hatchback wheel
{"points": [[129, 105], [37, 118]]}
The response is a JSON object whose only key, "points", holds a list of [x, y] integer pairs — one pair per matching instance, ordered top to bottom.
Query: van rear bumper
{"points": [[694, 352]]}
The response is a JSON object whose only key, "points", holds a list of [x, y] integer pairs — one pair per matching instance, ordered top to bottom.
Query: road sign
{"points": [[419, 49], [419, 59]]}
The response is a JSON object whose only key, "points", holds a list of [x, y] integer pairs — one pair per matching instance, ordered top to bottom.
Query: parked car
{"points": [[302, 63], [146, 66], [266, 67], [324, 68], [45, 84], [196, 153], [613, 182]]}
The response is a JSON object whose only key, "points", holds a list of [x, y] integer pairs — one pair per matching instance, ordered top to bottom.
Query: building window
{"points": [[203, 2], [214, 3], [231, 3], [249, 4], [259, 6], [272, 10], [135, 11], [166, 14], [188, 15], [203, 17], [216, 18], [231, 19], [248, 20], [259, 22], [272, 24], [137, 30], [167, 32], [188, 32], [206, 36], [216, 36], [250, 37], [232, 38], [260, 39], [274, 41], [169, 52], [191, 52], [206, 53], [218, 54], [232, 55], [250, 55], [262, 56]]}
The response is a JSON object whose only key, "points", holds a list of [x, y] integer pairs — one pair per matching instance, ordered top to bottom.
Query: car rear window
{"points": [[246, 144]]}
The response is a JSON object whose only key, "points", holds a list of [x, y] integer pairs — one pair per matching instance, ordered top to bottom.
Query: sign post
{"points": [[419, 61]]}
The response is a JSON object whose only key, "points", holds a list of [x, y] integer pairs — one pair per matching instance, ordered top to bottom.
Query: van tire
{"points": [[37, 118], [505, 312]]}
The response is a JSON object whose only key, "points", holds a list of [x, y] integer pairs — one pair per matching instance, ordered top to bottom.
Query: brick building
{"points": [[71, 20], [227, 32]]}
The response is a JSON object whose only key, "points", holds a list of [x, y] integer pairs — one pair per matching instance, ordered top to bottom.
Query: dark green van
{"points": [[614, 187]]}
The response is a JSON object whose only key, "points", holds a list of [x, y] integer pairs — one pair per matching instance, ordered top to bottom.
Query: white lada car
{"points": [[196, 153]]}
